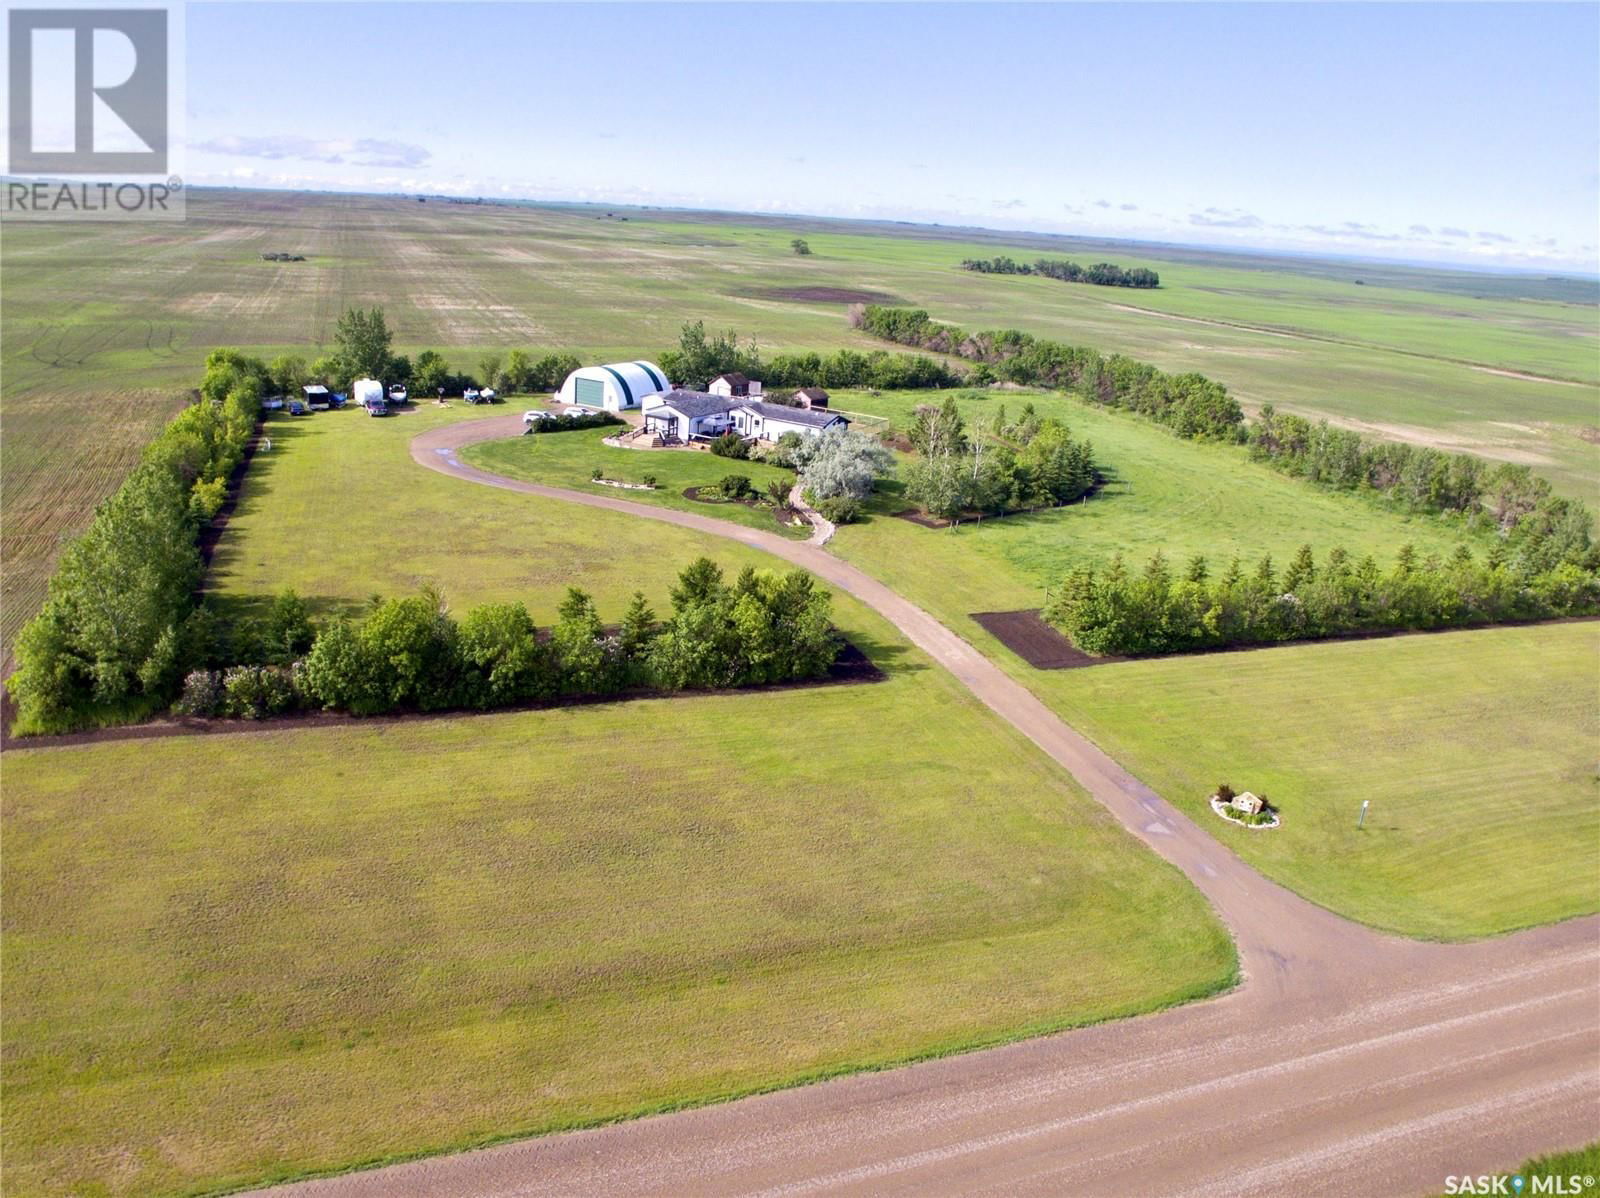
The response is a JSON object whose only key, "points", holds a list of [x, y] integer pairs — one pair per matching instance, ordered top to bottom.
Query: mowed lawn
{"points": [[569, 459], [1163, 493], [338, 511], [1476, 750], [236, 958]]}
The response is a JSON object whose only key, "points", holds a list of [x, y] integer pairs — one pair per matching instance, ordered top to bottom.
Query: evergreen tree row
{"points": [[1161, 611]]}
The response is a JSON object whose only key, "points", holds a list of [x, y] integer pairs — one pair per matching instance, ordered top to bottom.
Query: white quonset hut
{"points": [[615, 387]]}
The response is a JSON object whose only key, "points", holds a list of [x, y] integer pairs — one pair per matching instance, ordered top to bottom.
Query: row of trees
{"points": [[1105, 274], [363, 349], [701, 357], [1190, 404], [1031, 464], [1541, 529], [1161, 611], [111, 633], [411, 654]]}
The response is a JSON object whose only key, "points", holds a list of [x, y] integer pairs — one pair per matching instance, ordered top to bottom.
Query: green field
{"points": [[88, 380], [569, 459], [1180, 497], [338, 511], [1476, 750], [1470, 777], [239, 957], [242, 957]]}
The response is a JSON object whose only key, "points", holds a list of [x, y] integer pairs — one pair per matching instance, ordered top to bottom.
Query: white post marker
{"points": [[1361, 820]]}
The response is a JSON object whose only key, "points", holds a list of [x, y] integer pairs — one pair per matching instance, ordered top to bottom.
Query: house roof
{"points": [[735, 378], [812, 392], [695, 404], [806, 416]]}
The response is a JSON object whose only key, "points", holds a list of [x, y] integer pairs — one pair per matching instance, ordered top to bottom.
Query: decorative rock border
{"points": [[612, 482], [1221, 810]]}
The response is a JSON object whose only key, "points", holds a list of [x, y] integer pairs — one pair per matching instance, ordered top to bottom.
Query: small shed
{"points": [[734, 386], [616, 387], [811, 397]]}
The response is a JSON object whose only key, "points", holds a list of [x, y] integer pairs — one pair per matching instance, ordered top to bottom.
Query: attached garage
{"points": [[616, 387]]}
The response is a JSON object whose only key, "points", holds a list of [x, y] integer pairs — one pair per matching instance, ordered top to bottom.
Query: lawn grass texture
{"points": [[87, 381], [568, 459], [338, 511], [1475, 748], [1477, 773], [252, 956]]}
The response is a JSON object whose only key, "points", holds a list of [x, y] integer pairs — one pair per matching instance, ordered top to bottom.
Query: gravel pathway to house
{"points": [[1348, 1061]]}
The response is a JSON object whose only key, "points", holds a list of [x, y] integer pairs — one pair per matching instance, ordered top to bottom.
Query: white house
{"points": [[616, 387], [685, 415], [769, 421]]}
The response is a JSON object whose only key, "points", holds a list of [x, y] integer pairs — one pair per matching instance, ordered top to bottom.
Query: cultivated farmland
{"points": [[87, 381], [397, 937]]}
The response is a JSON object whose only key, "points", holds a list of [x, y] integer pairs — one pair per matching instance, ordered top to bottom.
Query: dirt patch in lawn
{"points": [[825, 295], [1044, 648]]}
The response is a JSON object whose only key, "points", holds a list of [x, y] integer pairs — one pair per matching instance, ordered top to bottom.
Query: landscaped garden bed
{"points": [[736, 488], [1247, 810]]}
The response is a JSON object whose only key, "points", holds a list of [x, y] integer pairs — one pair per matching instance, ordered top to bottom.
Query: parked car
{"points": [[398, 394], [472, 395], [339, 398], [376, 406], [297, 407], [576, 411], [533, 415]]}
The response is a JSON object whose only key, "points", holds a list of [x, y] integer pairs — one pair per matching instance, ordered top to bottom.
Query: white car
{"points": [[577, 411], [533, 414]]}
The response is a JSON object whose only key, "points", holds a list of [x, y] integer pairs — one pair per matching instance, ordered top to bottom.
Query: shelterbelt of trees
{"points": [[1105, 274], [699, 358], [1191, 405], [1541, 529], [1157, 611], [122, 632], [112, 637], [411, 654]]}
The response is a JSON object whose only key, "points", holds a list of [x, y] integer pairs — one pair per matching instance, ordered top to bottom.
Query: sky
{"points": [[1441, 132]]}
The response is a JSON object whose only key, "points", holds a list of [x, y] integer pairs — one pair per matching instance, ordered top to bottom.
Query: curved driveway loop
{"points": [[1348, 1062]]}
